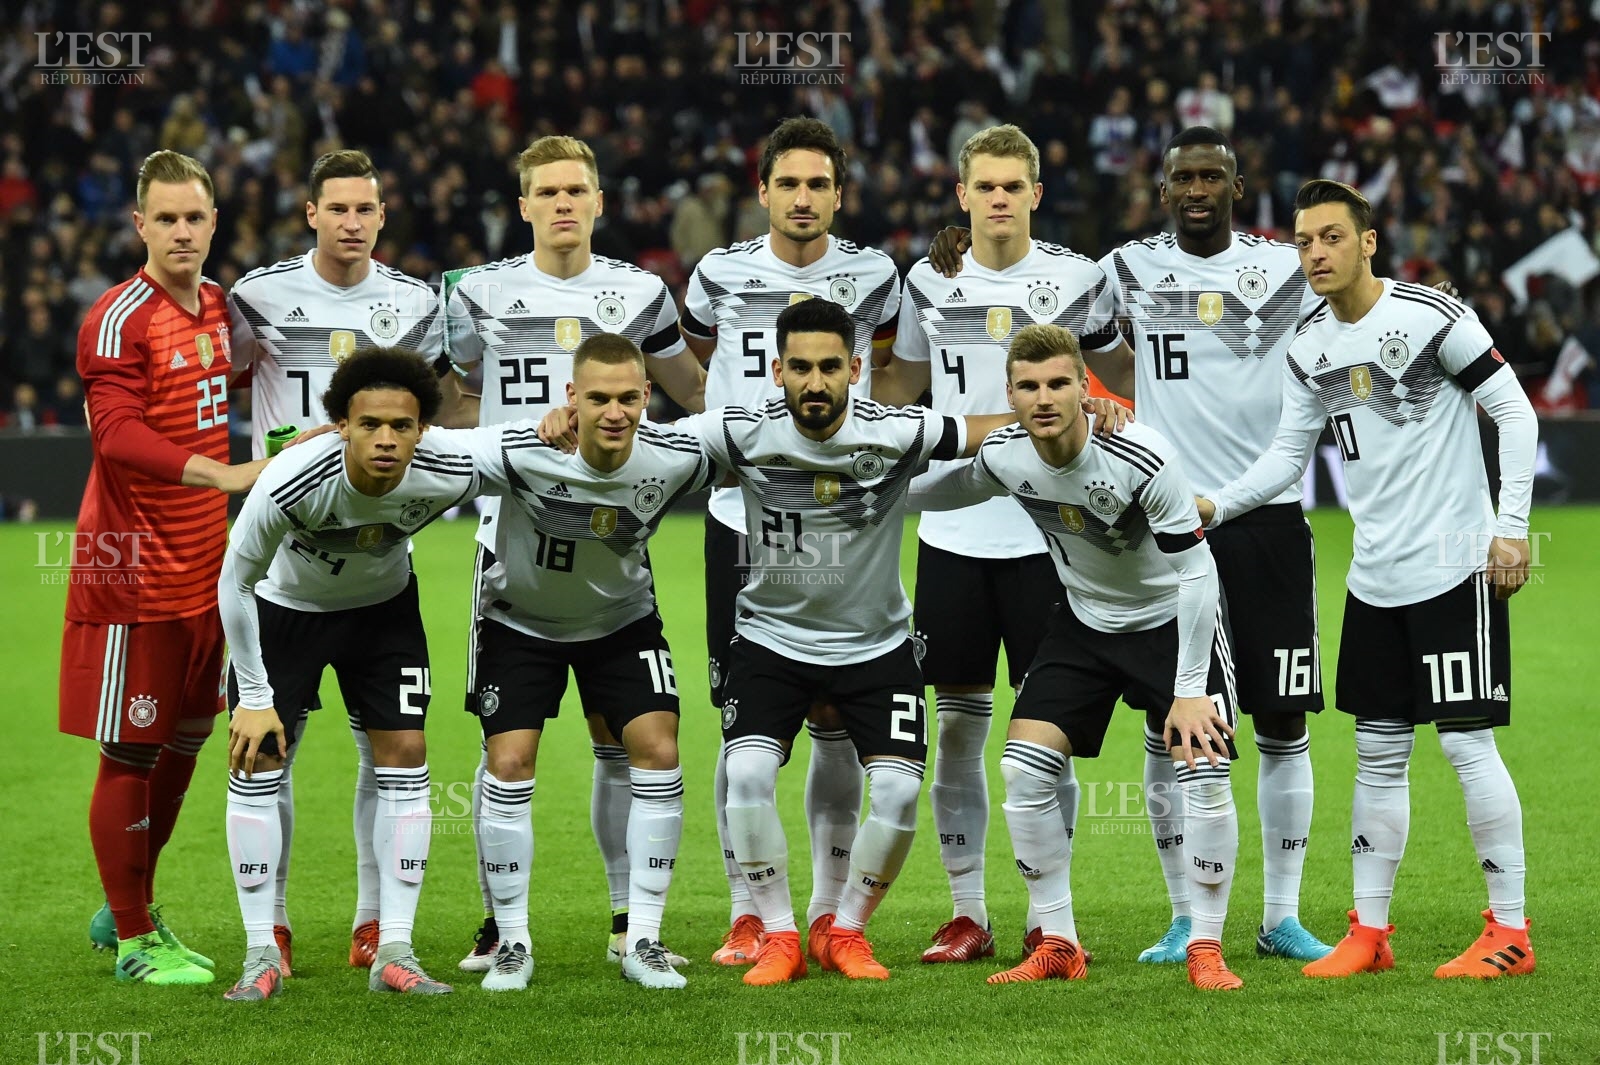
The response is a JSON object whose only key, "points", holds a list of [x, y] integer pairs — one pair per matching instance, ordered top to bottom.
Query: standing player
{"points": [[730, 317], [522, 318], [293, 323], [1401, 370], [318, 574], [983, 575], [573, 590], [823, 619], [1141, 622], [141, 654]]}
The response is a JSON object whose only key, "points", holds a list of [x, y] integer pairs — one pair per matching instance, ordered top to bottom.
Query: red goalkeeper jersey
{"points": [[156, 381]]}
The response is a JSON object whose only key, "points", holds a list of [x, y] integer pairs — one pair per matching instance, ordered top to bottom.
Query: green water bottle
{"points": [[279, 438]]}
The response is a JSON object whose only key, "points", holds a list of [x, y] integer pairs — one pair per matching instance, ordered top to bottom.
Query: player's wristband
{"points": [[279, 438]]}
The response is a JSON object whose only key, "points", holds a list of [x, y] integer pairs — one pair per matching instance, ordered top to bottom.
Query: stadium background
{"points": [[1468, 181]]}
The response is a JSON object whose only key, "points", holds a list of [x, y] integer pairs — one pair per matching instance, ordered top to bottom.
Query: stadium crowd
{"points": [[1467, 179]]}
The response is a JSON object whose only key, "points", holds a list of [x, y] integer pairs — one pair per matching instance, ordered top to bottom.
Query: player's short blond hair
{"points": [[1004, 142], [555, 149], [171, 168], [1041, 342], [610, 349]]}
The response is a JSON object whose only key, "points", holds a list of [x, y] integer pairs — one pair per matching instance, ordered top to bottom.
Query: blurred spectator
{"points": [[700, 222]]}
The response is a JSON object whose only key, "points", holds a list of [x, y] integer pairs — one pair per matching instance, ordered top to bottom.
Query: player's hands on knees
{"points": [[947, 248], [1109, 415], [560, 428], [1207, 509], [1508, 566], [1199, 728], [246, 732]]}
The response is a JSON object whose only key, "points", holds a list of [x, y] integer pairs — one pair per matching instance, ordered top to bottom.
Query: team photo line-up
{"points": [[1165, 562]]}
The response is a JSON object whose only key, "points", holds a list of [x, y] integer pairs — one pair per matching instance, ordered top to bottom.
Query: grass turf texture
{"points": [[579, 1010]]}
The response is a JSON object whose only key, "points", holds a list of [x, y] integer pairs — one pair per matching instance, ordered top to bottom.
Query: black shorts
{"points": [[1267, 564], [727, 568], [967, 607], [379, 656], [1444, 659], [1080, 672], [520, 678], [880, 700]]}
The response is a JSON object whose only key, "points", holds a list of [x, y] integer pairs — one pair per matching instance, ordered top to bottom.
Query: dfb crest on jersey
{"points": [[1252, 284], [842, 290], [798, 297], [1043, 301], [1208, 308], [610, 311], [998, 323], [384, 324], [569, 334], [341, 345], [227, 347], [203, 348], [1394, 352], [1361, 382], [866, 466], [826, 489], [649, 497], [1101, 501], [413, 513], [1071, 518], [603, 521], [369, 536], [919, 647], [714, 671], [488, 701], [142, 711], [730, 713]]}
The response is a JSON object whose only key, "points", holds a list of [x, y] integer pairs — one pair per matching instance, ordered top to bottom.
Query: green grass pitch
{"points": [[579, 1010]]}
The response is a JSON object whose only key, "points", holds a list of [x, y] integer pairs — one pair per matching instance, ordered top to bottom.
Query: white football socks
{"points": [[834, 781], [1067, 795], [960, 797], [610, 799], [1284, 799], [1164, 806], [1380, 814], [1494, 814], [363, 815], [655, 827], [477, 828], [755, 830], [402, 831], [255, 839], [883, 841], [506, 844], [1210, 844], [1043, 849], [740, 902], [280, 904]]}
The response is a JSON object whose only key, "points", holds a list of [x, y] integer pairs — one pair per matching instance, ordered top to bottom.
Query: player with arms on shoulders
{"points": [[730, 318], [521, 319], [293, 323], [1400, 370], [318, 574], [984, 578], [1141, 621], [141, 653]]}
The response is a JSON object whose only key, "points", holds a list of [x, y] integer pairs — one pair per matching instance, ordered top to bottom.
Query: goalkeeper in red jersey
{"points": [[142, 654]]}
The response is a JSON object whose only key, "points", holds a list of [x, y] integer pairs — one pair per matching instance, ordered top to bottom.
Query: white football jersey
{"points": [[736, 295], [523, 325], [964, 326], [295, 328], [1209, 335], [1398, 387], [824, 522], [307, 540], [570, 551]]}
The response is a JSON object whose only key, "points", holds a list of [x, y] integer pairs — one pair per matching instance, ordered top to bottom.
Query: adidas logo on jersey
{"points": [[755, 282], [1166, 282], [956, 297], [517, 308], [296, 315], [177, 360], [1321, 364], [778, 460], [1026, 489], [560, 491], [330, 522], [1499, 694], [1361, 846]]}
